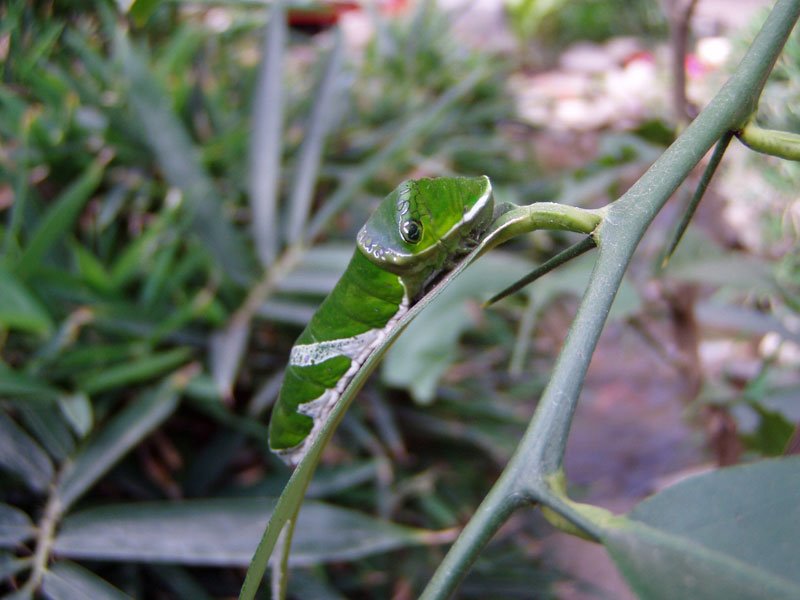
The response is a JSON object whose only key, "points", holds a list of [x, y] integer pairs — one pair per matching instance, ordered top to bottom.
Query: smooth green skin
{"points": [[387, 274]]}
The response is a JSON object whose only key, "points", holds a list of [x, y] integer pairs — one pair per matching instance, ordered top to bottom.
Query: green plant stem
{"points": [[782, 144], [702, 186], [541, 215], [539, 455], [44, 543], [280, 569]]}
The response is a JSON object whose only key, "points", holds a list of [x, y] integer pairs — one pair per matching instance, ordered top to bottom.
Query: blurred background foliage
{"points": [[144, 323]]}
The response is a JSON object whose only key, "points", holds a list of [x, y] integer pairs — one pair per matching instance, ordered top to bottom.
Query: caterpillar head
{"points": [[425, 222]]}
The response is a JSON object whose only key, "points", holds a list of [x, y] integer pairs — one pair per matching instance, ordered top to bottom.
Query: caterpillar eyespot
{"points": [[411, 231]]}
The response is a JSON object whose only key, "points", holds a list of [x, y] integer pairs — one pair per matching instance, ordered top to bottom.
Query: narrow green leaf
{"points": [[141, 10], [44, 43], [178, 53], [326, 99], [265, 140], [180, 162], [21, 181], [61, 217], [138, 255], [699, 261], [91, 269], [159, 273], [19, 308], [291, 312], [717, 314], [226, 350], [135, 371], [16, 386], [77, 409], [48, 427], [117, 438], [21, 455], [15, 526], [224, 532], [732, 533], [10, 566], [68, 581], [180, 582], [311, 585]]}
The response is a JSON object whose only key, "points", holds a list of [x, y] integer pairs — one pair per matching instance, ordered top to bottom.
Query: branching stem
{"points": [[782, 144], [539, 455]]}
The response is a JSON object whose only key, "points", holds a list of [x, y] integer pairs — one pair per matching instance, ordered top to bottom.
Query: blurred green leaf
{"points": [[141, 10], [526, 16], [43, 45], [326, 99], [402, 137], [266, 144], [179, 161], [60, 218], [138, 255], [697, 260], [91, 269], [159, 274], [570, 279], [19, 309], [732, 318], [429, 345], [226, 350], [135, 371], [19, 387], [781, 400], [77, 409], [47, 426], [773, 433], [117, 437], [21, 455], [335, 480], [15, 526], [225, 532], [727, 534], [10, 565], [68, 581], [180, 582], [310, 585]]}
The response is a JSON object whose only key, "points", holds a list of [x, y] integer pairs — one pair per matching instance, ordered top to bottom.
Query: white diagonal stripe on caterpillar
{"points": [[307, 355]]}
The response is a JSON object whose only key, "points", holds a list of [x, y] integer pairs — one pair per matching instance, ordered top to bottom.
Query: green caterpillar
{"points": [[415, 234]]}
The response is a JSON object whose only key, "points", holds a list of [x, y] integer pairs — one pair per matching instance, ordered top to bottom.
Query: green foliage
{"points": [[560, 22], [124, 252], [142, 335], [724, 534]]}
